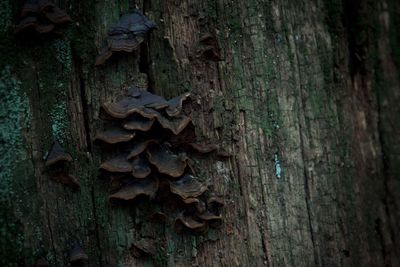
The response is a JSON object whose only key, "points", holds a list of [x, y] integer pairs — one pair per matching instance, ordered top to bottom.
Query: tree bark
{"points": [[305, 98]]}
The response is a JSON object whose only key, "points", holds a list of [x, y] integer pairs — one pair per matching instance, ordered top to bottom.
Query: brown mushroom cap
{"points": [[44, 4], [56, 15], [42, 16], [28, 22], [134, 23], [44, 28], [127, 34], [118, 43], [125, 43], [105, 54], [149, 100], [144, 104], [175, 104], [128, 106], [138, 122], [175, 124], [115, 135], [188, 135], [139, 147], [204, 148], [57, 154], [165, 161], [117, 164], [140, 167], [66, 179], [147, 187], [187, 187], [215, 200], [200, 205], [209, 216], [214, 220], [190, 223], [144, 246], [78, 254]]}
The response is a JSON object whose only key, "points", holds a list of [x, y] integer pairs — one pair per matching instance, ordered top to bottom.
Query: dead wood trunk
{"points": [[304, 94]]}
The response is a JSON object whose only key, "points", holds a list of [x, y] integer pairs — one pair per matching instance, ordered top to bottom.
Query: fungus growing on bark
{"points": [[41, 16], [126, 35], [149, 100], [175, 105], [128, 106], [138, 122], [175, 124], [115, 135], [139, 147], [203, 148], [57, 154], [165, 161], [154, 162], [117, 164], [57, 167], [141, 168], [66, 179], [147, 187], [187, 187], [215, 201], [197, 203], [208, 216], [214, 220], [188, 222], [143, 247], [77, 254]]}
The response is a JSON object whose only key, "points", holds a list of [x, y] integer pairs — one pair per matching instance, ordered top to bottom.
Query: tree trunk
{"points": [[305, 97]]}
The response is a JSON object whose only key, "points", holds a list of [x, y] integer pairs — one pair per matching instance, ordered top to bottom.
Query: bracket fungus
{"points": [[41, 16], [126, 35], [138, 122], [115, 135], [138, 147], [203, 148], [56, 155], [154, 161], [166, 162], [56, 163], [117, 164], [141, 168], [147, 187], [187, 187], [187, 222], [143, 247]]}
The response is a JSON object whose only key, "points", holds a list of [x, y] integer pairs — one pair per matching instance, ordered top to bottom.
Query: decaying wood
{"points": [[303, 96]]}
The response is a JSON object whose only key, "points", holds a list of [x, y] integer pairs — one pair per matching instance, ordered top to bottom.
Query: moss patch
{"points": [[14, 117]]}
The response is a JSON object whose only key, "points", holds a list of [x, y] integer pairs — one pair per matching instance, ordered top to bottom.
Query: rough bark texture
{"points": [[305, 97]]}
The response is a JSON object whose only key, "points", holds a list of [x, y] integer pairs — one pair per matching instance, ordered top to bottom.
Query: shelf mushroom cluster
{"points": [[41, 16], [126, 35], [148, 138]]}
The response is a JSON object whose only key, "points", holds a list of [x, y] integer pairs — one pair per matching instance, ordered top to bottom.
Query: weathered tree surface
{"points": [[304, 95]]}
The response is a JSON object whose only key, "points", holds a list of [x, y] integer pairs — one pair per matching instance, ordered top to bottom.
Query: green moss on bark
{"points": [[14, 118]]}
